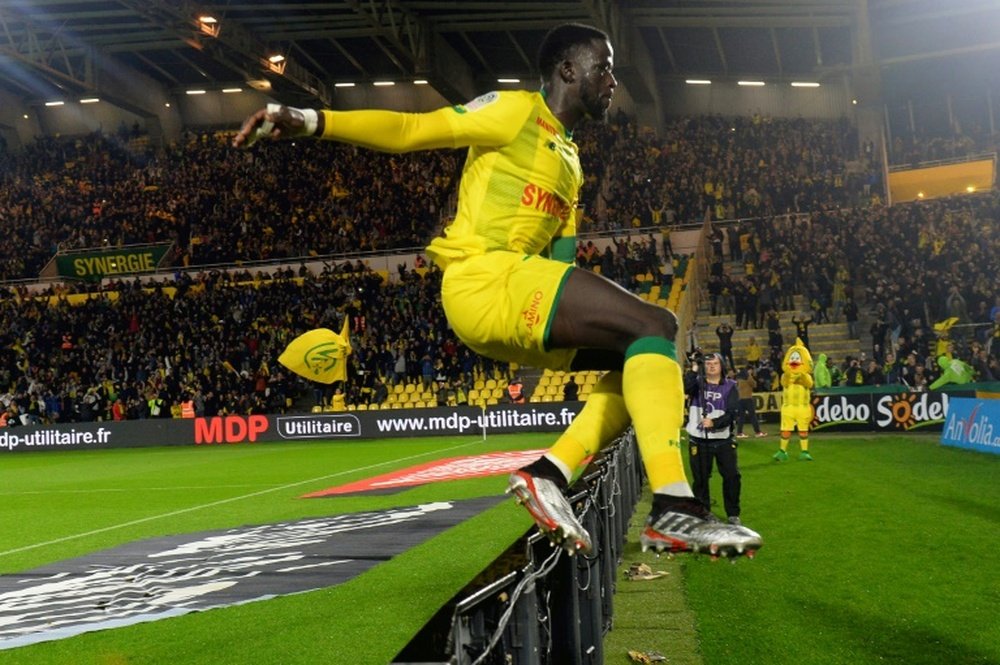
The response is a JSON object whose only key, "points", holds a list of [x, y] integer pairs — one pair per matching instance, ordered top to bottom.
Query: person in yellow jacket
{"points": [[510, 292], [796, 406]]}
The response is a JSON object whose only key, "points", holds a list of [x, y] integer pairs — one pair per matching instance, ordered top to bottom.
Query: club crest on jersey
{"points": [[479, 102]]}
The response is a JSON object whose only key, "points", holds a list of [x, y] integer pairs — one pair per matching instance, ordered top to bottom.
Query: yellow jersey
{"points": [[522, 176]]}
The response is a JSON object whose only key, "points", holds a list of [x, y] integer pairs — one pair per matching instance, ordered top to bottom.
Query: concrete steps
{"points": [[829, 338]]}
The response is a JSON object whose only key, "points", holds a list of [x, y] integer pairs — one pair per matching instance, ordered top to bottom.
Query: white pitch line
{"points": [[99, 490], [220, 502]]}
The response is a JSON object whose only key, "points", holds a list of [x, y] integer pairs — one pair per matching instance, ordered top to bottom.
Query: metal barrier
{"points": [[558, 608]]}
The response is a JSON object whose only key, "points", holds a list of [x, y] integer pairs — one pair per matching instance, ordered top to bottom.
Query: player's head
{"points": [[580, 55]]}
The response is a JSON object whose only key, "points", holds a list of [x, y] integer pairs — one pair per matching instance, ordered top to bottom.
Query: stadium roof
{"points": [[50, 47]]}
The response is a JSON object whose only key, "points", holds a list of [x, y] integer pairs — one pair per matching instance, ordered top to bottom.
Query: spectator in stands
{"points": [[850, 310], [802, 323], [725, 334], [753, 352], [854, 375], [571, 390], [515, 391]]}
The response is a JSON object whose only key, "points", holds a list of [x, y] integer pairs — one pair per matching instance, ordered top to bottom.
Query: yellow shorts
{"points": [[501, 305], [796, 416]]}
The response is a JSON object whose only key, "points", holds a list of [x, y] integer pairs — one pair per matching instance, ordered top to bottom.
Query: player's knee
{"points": [[660, 323]]}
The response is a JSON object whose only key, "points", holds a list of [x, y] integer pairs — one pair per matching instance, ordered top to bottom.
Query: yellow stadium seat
{"points": [[590, 378], [544, 381], [479, 384], [491, 384], [398, 388], [410, 388], [473, 395], [547, 398], [492, 401], [419, 404], [397, 405], [351, 407], [362, 407]]}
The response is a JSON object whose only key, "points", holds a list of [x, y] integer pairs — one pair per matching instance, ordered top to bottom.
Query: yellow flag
{"points": [[345, 334], [318, 355]]}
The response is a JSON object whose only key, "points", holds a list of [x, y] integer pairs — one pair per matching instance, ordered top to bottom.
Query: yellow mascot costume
{"points": [[796, 409]]}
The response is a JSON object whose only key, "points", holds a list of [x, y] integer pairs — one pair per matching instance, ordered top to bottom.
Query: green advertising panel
{"points": [[95, 265]]}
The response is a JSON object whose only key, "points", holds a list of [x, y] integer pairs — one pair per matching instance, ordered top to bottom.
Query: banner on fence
{"points": [[973, 423]]}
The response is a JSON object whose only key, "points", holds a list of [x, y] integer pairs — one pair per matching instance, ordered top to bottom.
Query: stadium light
{"points": [[209, 25], [276, 63], [508, 80], [697, 81], [420, 82], [345, 84], [383, 84], [754, 84], [805, 84], [230, 91], [194, 92], [89, 100], [54, 103], [970, 189]]}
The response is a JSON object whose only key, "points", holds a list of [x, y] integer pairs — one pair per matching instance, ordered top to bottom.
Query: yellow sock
{"points": [[654, 394], [602, 419], [783, 442], [804, 443]]}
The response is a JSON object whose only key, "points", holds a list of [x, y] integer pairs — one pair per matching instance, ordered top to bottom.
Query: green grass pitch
{"points": [[881, 551]]}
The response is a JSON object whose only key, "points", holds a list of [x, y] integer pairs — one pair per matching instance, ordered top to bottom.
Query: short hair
{"points": [[560, 40]]}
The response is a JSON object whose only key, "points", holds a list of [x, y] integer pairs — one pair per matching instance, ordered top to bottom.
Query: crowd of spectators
{"points": [[725, 168], [217, 204], [220, 205], [922, 274], [213, 337], [216, 340]]}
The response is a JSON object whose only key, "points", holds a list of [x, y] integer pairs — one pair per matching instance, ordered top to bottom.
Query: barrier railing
{"points": [[557, 608]]}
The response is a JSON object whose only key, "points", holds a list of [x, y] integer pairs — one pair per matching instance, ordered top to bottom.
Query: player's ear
{"points": [[567, 71]]}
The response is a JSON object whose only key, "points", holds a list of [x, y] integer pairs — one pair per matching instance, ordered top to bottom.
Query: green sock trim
{"points": [[658, 345]]}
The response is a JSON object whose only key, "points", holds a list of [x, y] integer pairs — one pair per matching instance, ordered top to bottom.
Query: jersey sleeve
{"points": [[492, 119]]}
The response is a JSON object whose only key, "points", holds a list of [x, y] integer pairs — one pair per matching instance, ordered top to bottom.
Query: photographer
{"points": [[714, 404]]}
